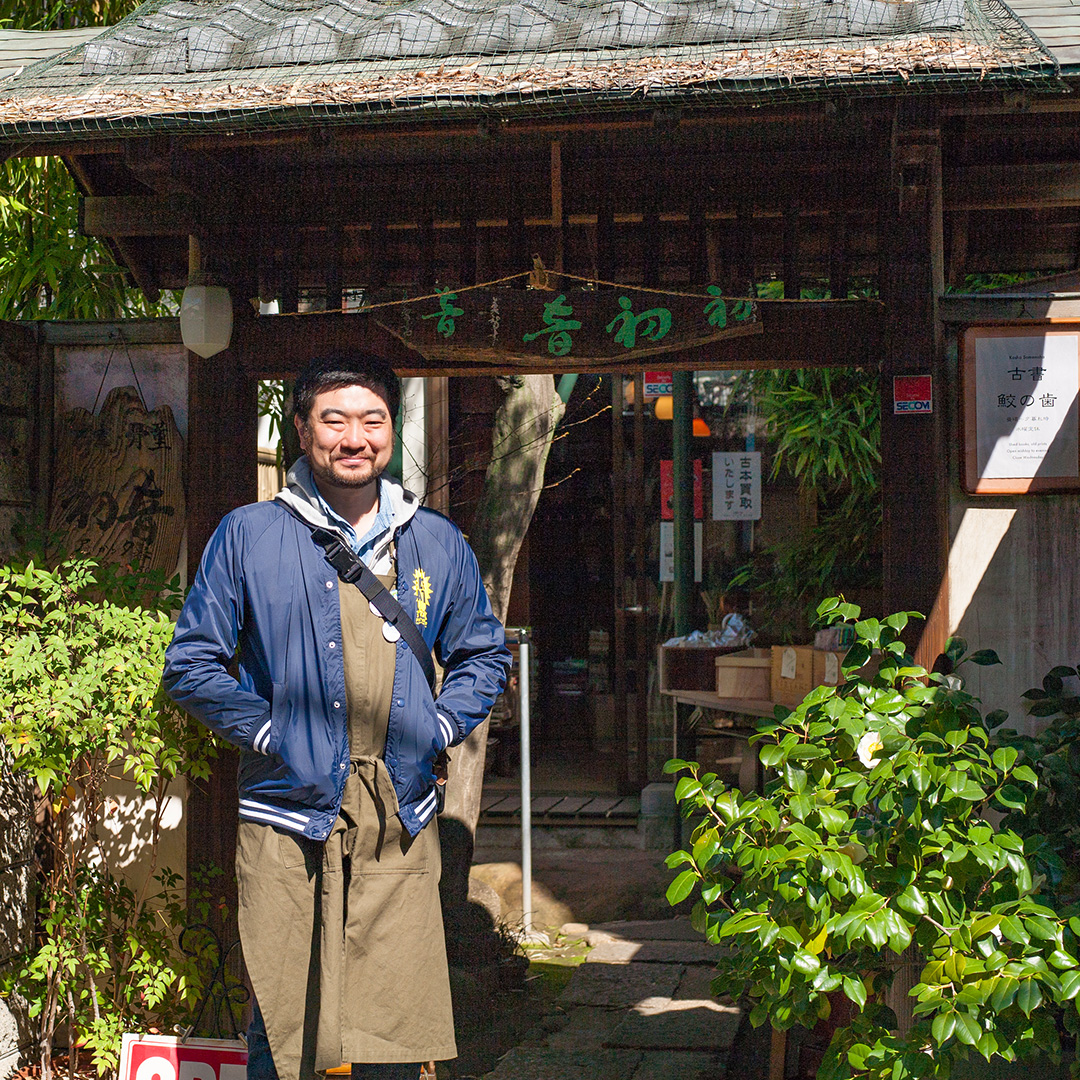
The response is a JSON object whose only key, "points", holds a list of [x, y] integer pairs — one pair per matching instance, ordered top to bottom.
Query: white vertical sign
{"points": [[1026, 406], [736, 485], [667, 550]]}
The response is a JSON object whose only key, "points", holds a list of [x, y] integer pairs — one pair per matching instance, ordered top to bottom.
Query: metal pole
{"points": [[683, 497], [526, 782]]}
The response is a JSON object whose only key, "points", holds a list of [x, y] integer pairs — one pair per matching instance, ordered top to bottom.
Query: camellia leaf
{"points": [[681, 887], [855, 991], [1029, 996], [943, 1027], [967, 1029]]}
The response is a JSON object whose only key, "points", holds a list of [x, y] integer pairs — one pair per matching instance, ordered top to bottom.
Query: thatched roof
{"points": [[174, 63]]}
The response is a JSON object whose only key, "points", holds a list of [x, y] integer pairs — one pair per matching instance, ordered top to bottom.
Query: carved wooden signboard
{"points": [[590, 327], [118, 491]]}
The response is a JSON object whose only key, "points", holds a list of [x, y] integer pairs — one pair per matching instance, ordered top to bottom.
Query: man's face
{"points": [[348, 437]]}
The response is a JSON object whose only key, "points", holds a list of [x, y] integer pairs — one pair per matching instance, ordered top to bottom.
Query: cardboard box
{"points": [[827, 667], [827, 670], [792, 673], [745, 675]]}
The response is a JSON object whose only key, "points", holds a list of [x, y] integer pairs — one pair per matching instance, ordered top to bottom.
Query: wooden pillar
{"points": [[470, 240], [335, 242], [744, 252], [518, 257], [792, 278], [913, 447], [222, 475], [618, 569]]}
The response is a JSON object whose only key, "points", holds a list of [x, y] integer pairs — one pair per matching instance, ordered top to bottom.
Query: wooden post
{"points": [[558, 215], [335, 242], [744, 248], [468, 255], [792, 278], [913, 449], [222, 475], [682, 501], [618, 570], [641, 587]]}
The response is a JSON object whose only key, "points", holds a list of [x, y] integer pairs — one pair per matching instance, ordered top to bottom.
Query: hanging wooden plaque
{"points": [[535, 326], [118, 490]]}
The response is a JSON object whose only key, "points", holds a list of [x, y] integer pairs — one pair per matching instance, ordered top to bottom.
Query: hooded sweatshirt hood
{"points": [[302, 497]]}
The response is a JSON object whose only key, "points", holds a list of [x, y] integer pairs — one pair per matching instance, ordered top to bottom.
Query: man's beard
{"points": [[346, 478]]}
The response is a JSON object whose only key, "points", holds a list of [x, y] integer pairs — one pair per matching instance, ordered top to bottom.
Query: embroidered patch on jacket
{"points": [[421, 584]]}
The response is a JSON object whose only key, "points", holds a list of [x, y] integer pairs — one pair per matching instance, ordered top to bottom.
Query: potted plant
{"points": [[874, 836]]}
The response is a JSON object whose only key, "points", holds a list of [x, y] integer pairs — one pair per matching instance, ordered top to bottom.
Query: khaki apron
{"points": [[343, 940]]}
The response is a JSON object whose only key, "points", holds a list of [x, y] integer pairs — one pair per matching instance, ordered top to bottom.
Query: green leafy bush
{"points": [[81, 651], [871, 846]]}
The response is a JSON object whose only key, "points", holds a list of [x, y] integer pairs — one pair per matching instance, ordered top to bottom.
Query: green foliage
{"points": [[63, 14], [48, 270], [825, 426], [81, 707], [1050, 820], [871, 846]]}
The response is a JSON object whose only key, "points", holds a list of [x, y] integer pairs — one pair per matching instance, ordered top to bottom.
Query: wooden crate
{"points": [[681, 667], [745, 674], [792, 676]]}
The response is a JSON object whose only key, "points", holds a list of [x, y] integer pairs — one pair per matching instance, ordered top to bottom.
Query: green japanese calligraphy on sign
{"points": [[716, 310], [446, 314], [653, 324], [557, 325]]}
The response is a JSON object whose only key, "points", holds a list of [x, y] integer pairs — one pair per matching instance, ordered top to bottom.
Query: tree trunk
{"points": [[524, 426]]}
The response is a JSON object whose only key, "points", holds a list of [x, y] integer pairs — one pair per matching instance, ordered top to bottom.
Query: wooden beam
{"points": [[1031, 186], [138, 215], [121, 251], [1006, 309], [807, 334], [222, 434], [914, 453]]}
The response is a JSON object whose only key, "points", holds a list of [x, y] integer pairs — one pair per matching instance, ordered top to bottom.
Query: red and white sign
{"points": [[657, 384], [913, 394], [667, 490], [165, 1057]]}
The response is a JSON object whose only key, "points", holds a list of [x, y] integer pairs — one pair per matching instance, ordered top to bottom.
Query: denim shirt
{"points": [[362, 546]]}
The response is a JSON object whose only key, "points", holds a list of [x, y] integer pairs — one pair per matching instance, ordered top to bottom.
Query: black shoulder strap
{"points": [[351, 568]]}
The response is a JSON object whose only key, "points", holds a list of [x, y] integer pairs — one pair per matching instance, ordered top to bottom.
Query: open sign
{"points": [[165, 1057]]}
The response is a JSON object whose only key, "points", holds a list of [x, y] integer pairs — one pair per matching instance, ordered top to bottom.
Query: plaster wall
{"points": [[1014, 586]]}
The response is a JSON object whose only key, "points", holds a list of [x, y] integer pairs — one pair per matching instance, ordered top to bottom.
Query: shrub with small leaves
{"points": [[81, 652], [873, 846]]}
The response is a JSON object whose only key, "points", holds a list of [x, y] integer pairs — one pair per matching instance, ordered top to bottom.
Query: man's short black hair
{"points": [[346, 369]]}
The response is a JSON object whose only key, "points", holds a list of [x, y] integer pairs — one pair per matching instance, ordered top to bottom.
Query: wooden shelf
{"points": [[705, 700]]}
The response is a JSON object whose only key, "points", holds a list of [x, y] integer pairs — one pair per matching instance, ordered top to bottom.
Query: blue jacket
{"points": [[265, 586]]}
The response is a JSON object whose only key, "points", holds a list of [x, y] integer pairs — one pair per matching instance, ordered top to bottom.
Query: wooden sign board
{"points": [[533, 326], [1021, 386], [118, 492]]}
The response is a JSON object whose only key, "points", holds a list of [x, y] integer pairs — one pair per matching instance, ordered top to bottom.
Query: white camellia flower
{"points": [[868, 746]]}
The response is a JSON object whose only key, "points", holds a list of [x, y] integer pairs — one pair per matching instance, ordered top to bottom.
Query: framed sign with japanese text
{"points": [[1021, 386]]}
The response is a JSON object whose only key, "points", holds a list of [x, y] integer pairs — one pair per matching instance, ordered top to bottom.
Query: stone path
{"points": [[639, 1008]]}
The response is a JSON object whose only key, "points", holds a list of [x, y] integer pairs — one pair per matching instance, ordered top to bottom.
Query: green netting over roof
{"points": [[246, 63]]}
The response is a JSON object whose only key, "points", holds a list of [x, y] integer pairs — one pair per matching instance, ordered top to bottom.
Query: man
{"points": [[337, 848]]}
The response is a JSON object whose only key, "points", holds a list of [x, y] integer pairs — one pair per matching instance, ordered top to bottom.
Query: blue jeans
{"points": [[261, 1063]]}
